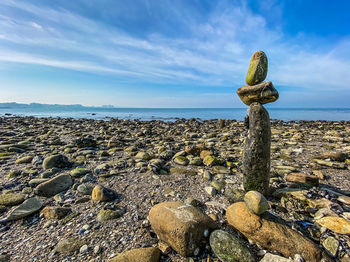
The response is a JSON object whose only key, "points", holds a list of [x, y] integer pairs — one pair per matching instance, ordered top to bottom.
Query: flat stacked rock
{"points": [[256, 155]]}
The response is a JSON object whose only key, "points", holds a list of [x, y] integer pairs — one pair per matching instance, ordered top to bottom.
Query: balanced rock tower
{"points": [[256, 152]]}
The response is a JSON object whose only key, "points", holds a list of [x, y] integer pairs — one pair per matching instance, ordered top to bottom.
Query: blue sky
{"points": [[178, 53]]}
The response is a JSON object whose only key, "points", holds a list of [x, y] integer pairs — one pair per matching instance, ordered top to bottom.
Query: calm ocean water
{"points": [[169, 114]]}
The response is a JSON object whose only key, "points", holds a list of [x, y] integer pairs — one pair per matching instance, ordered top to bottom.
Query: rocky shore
{"points": [[82, 190]]}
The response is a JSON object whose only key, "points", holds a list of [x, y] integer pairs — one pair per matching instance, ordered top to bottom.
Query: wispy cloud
{"points": [[214, 51]]}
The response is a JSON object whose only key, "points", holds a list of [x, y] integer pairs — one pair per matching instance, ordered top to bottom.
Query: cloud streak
{"points": [[214, 50]]}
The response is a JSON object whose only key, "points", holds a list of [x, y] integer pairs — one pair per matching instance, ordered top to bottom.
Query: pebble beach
{"points": [[89, 184]]}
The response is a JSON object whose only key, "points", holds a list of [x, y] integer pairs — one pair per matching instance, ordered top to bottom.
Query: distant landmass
{"points": [[13, 105]]}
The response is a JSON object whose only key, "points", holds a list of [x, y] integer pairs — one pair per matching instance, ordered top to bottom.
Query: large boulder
{"points": [[257, 70], [59, 161], [54, 185], [184, 227], [272, 233], [229, 248], [148, 254]]}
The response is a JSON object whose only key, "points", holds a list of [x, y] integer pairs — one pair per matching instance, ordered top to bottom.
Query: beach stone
{"points": [[257, 70], [262, 93], [85, 142], [193, 150], [256, 152], [205, 153], [143, 155], [335, 156], [24, 160], [181, 160], [211, 160], [59, 161], [196, 161], [221, 170], [79, 172], [13, 174], [302, 178], [37, 181], [218, 185], [54, 186], [85, 189], [211, 191], [100, 193], [11, 199], [344, 199], [256, 202], [27, 208], [54, 212], [109, 214], [336, 224], [183, 227], [271, 233], [69, 245], [331, 245], [229, 248], [84, 249], [147, 254], [268, 257]]}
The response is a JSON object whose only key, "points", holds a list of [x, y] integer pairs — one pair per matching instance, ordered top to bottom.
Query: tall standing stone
{"points": [[256, 152], [256, 155]]}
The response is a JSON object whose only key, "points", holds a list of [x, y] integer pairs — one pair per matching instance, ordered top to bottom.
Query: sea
{"points": [[172, 114]]}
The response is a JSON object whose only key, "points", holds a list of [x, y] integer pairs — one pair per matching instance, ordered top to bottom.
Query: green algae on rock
{"points": [[257, 70]]}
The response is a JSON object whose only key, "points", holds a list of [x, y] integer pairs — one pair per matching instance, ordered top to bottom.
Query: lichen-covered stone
{"points": [[257, 70], [262, 93], [256, 153], [59, 161], [54, 185], [11, 199], [109, 214], [229, 248]]}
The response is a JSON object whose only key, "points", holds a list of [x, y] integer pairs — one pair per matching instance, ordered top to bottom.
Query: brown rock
{"points": [[262, 93], [193, 150], [205, 153], [335, 156], [302, 178], [100, 193], [51, 212], [336, 224], [185, 228], [271, 233], [148, 254]]}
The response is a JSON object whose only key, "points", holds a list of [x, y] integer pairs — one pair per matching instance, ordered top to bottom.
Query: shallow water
{"points": [[168, 114]]}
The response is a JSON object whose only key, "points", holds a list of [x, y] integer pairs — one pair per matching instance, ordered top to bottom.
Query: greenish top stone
{"points": [[257, 70]]}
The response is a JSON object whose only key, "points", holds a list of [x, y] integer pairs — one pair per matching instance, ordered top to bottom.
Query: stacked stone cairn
{"points": [[256, 154]]}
